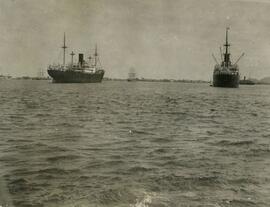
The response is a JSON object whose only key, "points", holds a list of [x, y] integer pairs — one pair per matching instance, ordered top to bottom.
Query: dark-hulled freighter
{"points": [[82, 72], [226, 74]]}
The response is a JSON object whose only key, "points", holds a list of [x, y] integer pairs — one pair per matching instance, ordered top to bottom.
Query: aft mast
{"points": [[64, 48], [96, 54], [227, 61]]}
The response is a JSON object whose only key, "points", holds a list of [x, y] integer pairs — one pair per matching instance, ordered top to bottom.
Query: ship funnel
{"points": [[81, 58]]}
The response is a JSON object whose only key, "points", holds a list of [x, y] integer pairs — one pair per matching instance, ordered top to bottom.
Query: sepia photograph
{"points": [[134, 103]]}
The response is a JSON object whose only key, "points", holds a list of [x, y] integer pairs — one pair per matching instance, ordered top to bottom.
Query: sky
{"points": [[171, 39]]}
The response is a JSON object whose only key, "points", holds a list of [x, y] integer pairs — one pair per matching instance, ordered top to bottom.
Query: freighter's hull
{"points": [[71, 76], [131, 80], [226, 80], [246, 82]]}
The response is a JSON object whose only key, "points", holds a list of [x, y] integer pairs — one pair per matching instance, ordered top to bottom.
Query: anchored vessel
{"points": [[82, 72], [226, 74], [132, 75], [246, 81]]}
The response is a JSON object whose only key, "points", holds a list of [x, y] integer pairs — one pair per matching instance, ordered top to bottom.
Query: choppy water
{"points": [[134, 144]]}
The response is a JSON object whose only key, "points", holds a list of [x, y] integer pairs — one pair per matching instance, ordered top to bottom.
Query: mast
{"points": [[64, 48], [72, 54], [96, 54], [227, 54], [90, 58], [41, 73], [132, 74]]}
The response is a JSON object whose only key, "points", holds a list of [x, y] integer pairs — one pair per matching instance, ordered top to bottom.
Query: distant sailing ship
{"points": [[81, 72], [226, 74], [132, 75]]}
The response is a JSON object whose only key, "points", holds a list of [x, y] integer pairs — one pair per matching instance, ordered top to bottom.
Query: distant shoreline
{"points": [[156, 80], [257, 82]]}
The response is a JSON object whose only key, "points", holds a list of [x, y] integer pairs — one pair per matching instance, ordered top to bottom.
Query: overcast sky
{"points": [[159, 38]]}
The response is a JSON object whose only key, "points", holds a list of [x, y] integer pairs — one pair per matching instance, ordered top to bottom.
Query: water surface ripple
{"points": [[133, 144]]}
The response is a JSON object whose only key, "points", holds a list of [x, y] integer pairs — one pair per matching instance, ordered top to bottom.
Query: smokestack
{"points": [[81, 58]]}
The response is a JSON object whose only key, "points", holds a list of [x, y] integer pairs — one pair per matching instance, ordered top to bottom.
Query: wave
{"points": [[141, 132], [161, 140], [235, 143], [161, 150], [259, 152], [62, 157], [113, 163], [138, 169], [57, 171], [243, 180], [173, 182], [19, 185], [110, 196], [143, 202], [241, 203]]}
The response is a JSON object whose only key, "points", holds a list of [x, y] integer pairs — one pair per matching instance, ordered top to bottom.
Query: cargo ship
{"points": [[83, 71], [226, 74], [246, 81]]}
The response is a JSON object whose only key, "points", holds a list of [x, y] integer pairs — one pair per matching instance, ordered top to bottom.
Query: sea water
{"points": [[134, 144]]}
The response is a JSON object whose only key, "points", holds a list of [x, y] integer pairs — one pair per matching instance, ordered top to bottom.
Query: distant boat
{"points": [[81, 72], [226, 74], [132, 75], [246, 81]]}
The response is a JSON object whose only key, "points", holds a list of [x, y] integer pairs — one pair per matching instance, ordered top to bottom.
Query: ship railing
{"points": [[57, 67], [226, 72]]}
